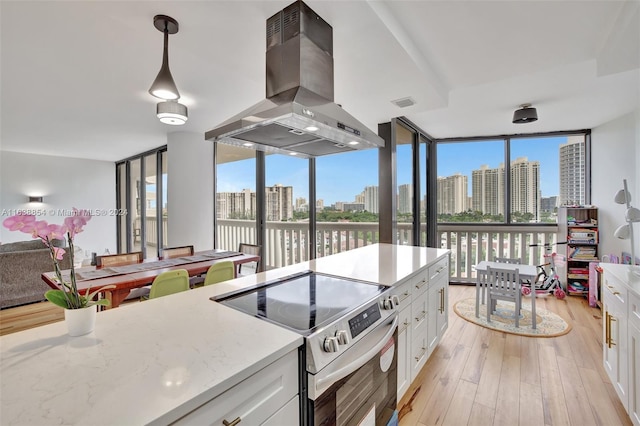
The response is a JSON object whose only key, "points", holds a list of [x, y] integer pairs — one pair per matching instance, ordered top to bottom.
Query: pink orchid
{"points": [[18, 222], [39, 229], [55, 232], [58, 252]]}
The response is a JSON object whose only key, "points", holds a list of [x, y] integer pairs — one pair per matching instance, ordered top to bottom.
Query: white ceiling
{"points": [[74, 75]]}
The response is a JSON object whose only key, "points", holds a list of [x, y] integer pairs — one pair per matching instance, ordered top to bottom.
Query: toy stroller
{"points": [[548, 282]]}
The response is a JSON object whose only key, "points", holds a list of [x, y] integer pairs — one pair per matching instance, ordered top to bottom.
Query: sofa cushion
{"points": [[35, 244]]}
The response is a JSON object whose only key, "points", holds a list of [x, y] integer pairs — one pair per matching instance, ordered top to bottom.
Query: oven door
{"points": [[358, 387]]}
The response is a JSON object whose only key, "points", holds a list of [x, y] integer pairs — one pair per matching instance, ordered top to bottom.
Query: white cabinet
{"points": [[403, 291], [423, 318], [621, 336], [634, 374], [270, 396]]}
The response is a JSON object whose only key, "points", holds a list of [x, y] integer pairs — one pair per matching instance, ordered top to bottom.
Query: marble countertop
{"points": [[629, 275], [158, 360]]}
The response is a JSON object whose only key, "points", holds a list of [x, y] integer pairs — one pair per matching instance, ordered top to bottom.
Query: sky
{"points": [[341, 177]]}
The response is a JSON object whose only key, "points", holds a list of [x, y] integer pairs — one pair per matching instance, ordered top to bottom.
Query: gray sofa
{"points": [[21, 265]]}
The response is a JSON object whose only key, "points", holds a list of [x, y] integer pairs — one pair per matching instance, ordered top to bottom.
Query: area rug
{"points": [[548, 324]]}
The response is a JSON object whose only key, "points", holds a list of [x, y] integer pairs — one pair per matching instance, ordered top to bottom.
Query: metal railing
{"points": [[287, 242]]}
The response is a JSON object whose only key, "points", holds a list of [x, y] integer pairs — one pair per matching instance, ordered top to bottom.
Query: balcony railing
{"points": [[286, 242]]}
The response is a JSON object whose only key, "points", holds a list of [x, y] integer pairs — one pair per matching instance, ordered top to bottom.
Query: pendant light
{"points": [[170, 111], [526, 114]]}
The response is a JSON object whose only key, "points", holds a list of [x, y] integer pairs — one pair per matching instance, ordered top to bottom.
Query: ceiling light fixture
{"points": [[163, 86], [172, 112], [526, 114]]}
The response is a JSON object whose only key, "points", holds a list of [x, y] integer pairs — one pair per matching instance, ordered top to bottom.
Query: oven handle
{"points": [[362, 360]]}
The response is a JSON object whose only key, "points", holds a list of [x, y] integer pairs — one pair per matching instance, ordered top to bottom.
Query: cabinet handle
{"points": [[419, 286], [406, 295], [441, 300], [421, 317], [405, 325], [610, 341], [424, 351], [232, 423]]}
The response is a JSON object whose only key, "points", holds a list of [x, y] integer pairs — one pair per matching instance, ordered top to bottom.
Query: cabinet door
{"points": [[432, 320], [615, 349], [404, 351], [419, 354], [634, 374], [253, 400]]}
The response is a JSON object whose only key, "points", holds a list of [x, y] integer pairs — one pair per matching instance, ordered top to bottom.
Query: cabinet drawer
{"points": [[439, 268], [420, 284], [614, 290], [403, 291], [634, 311], [419, 313], [404, 320], [419, 355], [253, 400], [287, 415]]}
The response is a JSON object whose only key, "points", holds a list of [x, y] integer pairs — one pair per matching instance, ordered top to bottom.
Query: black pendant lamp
{"points": [[163, 86], [170, 111], [526, 114]]}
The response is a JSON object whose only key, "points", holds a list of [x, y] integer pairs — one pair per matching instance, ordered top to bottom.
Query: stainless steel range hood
{"points": [[299, 115]]}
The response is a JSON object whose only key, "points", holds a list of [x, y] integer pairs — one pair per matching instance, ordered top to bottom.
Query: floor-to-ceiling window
{"points": [[235, 197], [142, 202], [347, 202], [287, 227]]}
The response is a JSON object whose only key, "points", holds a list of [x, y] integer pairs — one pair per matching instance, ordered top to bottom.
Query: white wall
{"points": [[616, 156], [64, 183], [190, 190]]}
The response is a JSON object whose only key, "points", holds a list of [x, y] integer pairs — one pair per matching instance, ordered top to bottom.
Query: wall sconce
{"points": [[36, 199]]}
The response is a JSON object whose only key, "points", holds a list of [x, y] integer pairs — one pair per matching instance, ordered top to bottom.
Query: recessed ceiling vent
{"points": [[404, 102]]}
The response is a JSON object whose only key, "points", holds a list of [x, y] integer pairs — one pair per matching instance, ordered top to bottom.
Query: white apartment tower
{"points": [[572, 171], [525, 187], [487, 190], [452, 194], [405, 198], [371, 199], [279, 202], [236, 205]]}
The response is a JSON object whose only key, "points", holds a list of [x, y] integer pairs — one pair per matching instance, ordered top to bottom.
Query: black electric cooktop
{"points": [[303, 302]]}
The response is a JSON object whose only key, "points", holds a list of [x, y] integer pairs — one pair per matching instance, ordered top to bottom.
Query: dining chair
{"points": [[252, 249], [171, 252], [118, 259], [221, 271], [169, 282], [503, 284]]}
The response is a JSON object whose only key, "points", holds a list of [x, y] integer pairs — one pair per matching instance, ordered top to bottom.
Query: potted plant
{"points": [[80, 309]]}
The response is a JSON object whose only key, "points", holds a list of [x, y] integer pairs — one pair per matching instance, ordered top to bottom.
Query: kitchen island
{"points": [[157, 361]]}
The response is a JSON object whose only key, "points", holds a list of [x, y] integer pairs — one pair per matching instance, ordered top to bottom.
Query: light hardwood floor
{"points": [[477, 376]]}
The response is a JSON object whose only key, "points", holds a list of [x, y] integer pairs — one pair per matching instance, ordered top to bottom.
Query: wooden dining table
{"points": [[527, 272], [128, 277]]}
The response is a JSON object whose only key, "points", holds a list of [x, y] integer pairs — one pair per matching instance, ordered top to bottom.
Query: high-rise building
{"points": [[572, 171], [525, 187], [487, 190], [452, 194], [360, 198], [405, 198], [371, 199], [300, 201], [279, 202], [319, 204], [548, 204], [236, 205]]}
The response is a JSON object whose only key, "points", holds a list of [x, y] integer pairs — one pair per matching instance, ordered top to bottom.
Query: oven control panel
{"points": [[363, 320]]}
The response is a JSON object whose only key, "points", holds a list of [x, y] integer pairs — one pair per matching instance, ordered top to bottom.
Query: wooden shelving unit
{"points": [[579, 225]]}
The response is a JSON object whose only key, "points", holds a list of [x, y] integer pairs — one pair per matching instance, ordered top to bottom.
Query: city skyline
{"points": [[341, 178]]}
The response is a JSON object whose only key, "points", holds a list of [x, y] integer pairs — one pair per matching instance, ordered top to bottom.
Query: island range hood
{"points": [[299, 115]]}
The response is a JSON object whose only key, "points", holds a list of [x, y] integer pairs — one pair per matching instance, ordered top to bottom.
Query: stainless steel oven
{"points": [[348, 373]]}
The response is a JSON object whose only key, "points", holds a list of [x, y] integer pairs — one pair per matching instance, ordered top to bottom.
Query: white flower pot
{"points": [[80, 321]]}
